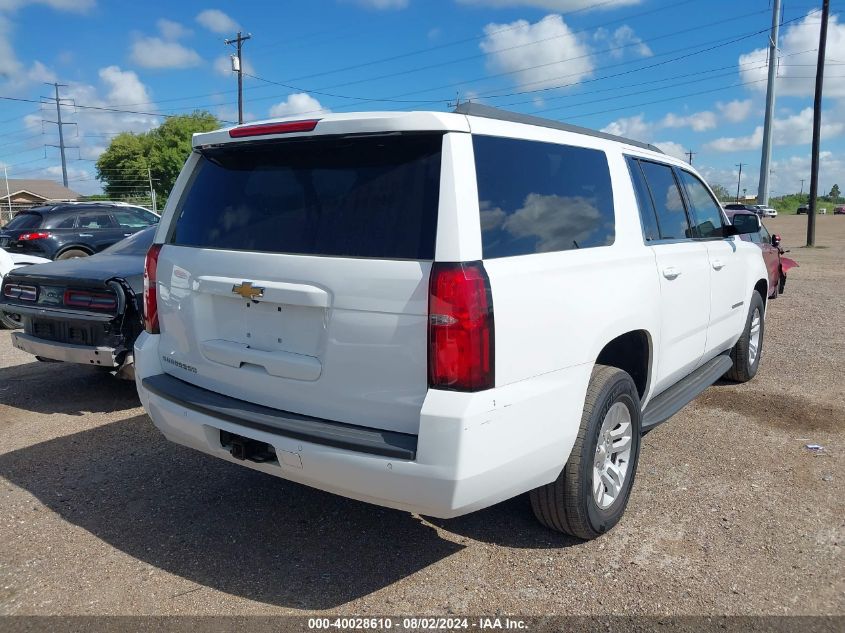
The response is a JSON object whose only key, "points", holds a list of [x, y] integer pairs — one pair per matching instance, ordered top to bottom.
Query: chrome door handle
{"points": [[127, 234], [717, 264], [671, 272]]}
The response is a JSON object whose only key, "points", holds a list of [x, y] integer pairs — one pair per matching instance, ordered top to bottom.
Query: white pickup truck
{"points": [[439, 311]]}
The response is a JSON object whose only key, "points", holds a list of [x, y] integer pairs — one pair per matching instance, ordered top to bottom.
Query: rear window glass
{"points": [[344, 197], [538, 197], [24, 221]]}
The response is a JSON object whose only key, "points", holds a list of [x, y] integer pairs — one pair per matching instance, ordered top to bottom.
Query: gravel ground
{"points": [[730, 514]]}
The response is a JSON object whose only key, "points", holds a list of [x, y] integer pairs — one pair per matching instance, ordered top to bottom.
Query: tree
{"points": [[122, 168], [721, 193], [834, 193]]}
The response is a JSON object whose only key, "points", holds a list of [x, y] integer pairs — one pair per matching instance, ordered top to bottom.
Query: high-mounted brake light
{"points": [[262, 129], [38, 235], [150, 297], [94, 300], [460, 327]]}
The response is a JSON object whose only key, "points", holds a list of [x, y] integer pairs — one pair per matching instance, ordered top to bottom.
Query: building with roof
{"points": [[31, 191]]}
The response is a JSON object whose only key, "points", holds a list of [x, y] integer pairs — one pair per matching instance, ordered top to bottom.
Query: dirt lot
{"points": [[731, 514]]}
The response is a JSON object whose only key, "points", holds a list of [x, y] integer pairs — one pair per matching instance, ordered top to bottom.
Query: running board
{"points": [[679, 395]]}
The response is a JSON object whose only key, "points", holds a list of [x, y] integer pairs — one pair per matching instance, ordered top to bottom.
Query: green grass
{"points": [[788, 205]]}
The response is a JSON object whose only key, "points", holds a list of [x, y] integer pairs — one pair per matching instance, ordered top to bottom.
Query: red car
{"points": [[838, 210], [776, 263]]}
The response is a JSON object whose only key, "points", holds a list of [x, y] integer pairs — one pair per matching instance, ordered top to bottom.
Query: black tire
{"points": [[71, 253], [782, 283], [10, 321], [744, 366], [567, 504]]}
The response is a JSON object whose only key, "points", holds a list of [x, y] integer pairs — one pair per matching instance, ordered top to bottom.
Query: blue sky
{"points": [[684, 74]]}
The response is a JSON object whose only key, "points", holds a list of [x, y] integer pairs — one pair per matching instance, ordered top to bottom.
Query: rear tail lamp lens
{"points": [[38, 235], [22, 292], [150, 296], [93, 300], [460, 328]]}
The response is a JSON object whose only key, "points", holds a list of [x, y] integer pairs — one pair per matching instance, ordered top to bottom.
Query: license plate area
{"points": [[266, 326]]}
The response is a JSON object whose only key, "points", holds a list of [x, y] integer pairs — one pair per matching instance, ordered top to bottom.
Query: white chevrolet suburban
{"points": [[439, 311]]}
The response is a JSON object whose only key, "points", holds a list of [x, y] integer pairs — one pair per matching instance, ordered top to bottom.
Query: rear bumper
{"points": [[66, 352], [472, 450]]}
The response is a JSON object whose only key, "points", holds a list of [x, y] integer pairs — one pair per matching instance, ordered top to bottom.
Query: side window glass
{"points": [[538, 197], [646, 206], [705, 210], [671, 215], [130, 219], [98, 221], [67, 223], [765, 235]]}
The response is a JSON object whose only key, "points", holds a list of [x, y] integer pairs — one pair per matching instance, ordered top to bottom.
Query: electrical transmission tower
{"points": [[60, 124]]}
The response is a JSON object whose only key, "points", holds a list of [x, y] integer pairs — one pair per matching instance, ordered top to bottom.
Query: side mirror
{"points": [[746, 223], [729, 230], [775, 240]]}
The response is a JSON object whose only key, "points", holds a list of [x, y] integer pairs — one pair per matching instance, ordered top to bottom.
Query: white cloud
{"points": [[381, 5], [553, 5], [77, 6], [217, 22], [171, 30], [621, 41], [154, 52], [537, 54], [9, 63], [223, 66], [796, 70], [298, 104], [735, 111], [699, 121], [634, 127], [792, 130], [672, 149]]}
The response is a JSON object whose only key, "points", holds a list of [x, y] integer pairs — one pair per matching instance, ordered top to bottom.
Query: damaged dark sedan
{"points": [[87, 310]]}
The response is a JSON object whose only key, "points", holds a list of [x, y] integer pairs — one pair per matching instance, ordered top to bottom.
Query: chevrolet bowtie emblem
{"points": [[247, 290]]}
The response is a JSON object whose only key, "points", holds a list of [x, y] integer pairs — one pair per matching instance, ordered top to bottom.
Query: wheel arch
{"points": [[73, 247], [762, 286], [632, 352]]}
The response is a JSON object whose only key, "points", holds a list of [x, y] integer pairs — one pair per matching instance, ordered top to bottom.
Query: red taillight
{"points": [[274, 128], [38, 235], [150, 297], [94, 300], [460, 327]]}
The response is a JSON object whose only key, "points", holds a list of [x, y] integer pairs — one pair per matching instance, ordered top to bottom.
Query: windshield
{"points": [[374, 196], [25, 221], [137, 244]]}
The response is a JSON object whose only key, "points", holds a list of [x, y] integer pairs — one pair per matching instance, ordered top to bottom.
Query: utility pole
{"points": [[238, 67], [817, 125], [62, 147], [690, 154], [765, 159], [739, 179], [152, 191], [8, 193], [801, 193]]}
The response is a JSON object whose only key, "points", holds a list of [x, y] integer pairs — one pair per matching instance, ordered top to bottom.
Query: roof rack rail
{"points": [[488, 112]]}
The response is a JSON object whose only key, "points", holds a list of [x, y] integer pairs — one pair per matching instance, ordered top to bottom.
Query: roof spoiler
{"points": [[488, 112]]}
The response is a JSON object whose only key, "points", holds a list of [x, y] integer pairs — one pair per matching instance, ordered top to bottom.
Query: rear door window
{"points": [[373, 197], [539, 197], [647, 215], [671, 215]]}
